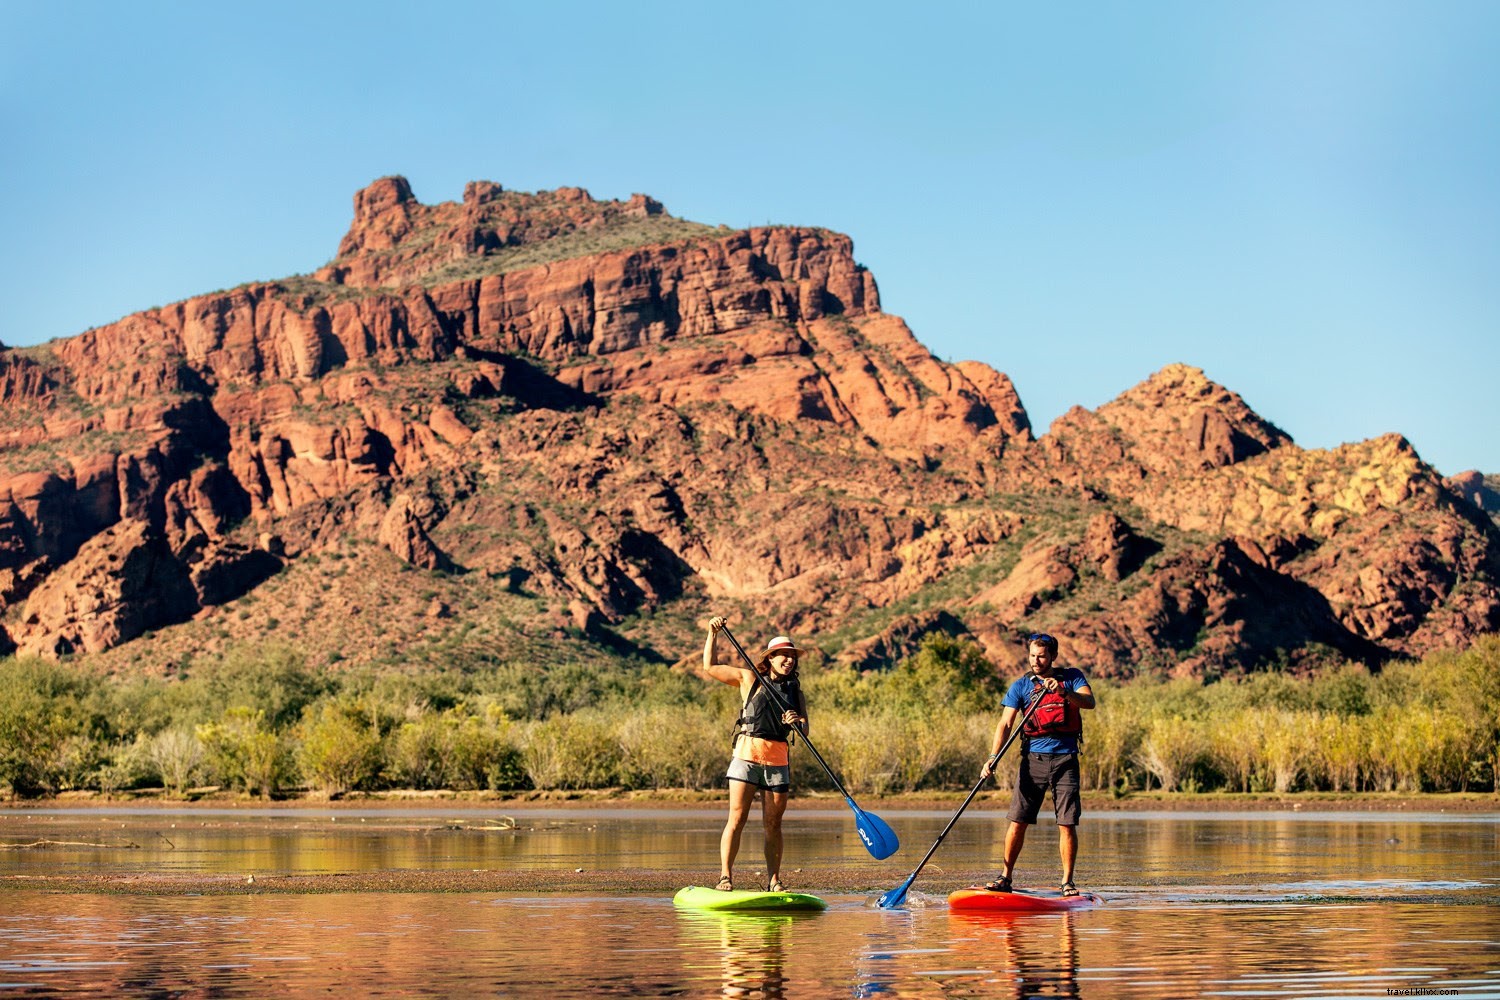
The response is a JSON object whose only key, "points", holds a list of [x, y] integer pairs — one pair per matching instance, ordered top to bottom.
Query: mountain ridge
{"points": [[610, 442]]}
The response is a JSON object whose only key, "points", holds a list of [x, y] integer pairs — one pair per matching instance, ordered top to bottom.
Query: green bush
{"points": [[947, 674], [273, 680], [248, 719], [1112, 735], [45, 737], [673, 747], [1286, 747], [340, 749], [456, 749], [1170, 750], [571, 751], [888, 752], [244, 753], [417, 753], [484, 753], [177, 757], [126, 765]]}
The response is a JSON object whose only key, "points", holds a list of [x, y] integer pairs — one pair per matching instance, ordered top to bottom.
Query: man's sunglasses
{"points": [[1041, 637]]}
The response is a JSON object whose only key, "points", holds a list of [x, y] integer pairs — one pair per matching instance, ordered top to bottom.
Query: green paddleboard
{"points": [[697, 897]]}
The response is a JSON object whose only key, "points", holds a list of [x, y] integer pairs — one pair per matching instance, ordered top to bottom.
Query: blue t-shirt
{"points": [[1019, 696]]}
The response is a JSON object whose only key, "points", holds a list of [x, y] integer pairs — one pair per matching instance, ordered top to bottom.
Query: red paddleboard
{"points": [[984, 901]]}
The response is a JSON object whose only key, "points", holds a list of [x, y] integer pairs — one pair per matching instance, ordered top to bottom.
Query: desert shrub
{"points": [[946, 673], [272, 680], [658, 686], [840, 689], [1346, 691], [526, 692], [1150, 699], [148, 705], [40, 725], [1433, 725], [1112, 735], [1449, 741], [1397, 744], [1235, 745], [673, 747], [1286, 747], [456, 748], [950, 748], [1171, 748], [340, 749], [571, 751], [1342, 751], [243, 752], [417, 752], [889, 752], [485, 754], [177, 757], [74, 760], [861, 762], [126, 765]]}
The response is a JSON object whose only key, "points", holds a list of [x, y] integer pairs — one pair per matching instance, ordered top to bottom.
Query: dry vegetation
{"points": [[260, 721]]}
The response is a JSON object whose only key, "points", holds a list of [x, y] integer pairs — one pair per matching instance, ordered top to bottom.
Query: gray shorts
{"points": [[1039, 772], [772, 779]]}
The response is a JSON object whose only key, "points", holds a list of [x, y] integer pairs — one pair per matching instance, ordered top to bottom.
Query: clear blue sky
{"points": [[1302, 198]]}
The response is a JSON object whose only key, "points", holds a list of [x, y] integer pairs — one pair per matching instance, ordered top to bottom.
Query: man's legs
{"points": [[1065, 796], [1026, 799], [1015, 839], [1067, 847]]}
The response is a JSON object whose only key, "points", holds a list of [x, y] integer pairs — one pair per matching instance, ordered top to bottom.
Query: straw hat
{"points": [[780, 644]]}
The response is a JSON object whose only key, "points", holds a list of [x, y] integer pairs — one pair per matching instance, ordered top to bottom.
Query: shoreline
{"points": [[665, 799], [863, 877], [856, 879]]}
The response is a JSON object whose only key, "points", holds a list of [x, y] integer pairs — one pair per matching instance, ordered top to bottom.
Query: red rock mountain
{"points": [[531, 427]]}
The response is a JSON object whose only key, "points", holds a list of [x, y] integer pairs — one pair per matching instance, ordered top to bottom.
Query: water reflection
{"points": [[1228, 906], [751, 948], [1035, 956]]}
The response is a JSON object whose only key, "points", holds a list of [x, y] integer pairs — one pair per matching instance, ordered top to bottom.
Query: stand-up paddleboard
{"points": [[697, 897], [977, 900]]}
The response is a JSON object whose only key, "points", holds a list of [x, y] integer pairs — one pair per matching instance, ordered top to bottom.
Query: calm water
{"points": [[1259, 905]]}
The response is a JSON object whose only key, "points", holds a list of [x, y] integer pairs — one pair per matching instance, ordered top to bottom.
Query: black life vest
{"points": [[761, 715], [1055, 716]]}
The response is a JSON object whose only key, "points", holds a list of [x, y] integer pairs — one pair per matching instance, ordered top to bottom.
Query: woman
{"points": [[761, 735]]}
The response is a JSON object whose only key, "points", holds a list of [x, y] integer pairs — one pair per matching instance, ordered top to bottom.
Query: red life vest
{"points": [[1055, 716]]}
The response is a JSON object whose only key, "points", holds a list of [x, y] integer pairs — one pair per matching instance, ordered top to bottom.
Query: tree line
{"points": [[262, 722]]}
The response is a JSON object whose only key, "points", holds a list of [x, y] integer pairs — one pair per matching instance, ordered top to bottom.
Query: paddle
{"points": [[879, 839], [897, 895]]}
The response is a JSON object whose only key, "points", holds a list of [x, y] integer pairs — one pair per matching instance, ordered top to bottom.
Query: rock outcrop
{"points": [[621, 417], [1480, 490]]}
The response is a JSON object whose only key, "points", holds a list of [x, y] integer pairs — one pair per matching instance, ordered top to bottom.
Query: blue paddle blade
{"points": [[879, 839], [897, 895]]}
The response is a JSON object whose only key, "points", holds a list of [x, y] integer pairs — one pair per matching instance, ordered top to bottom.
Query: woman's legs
{"points": [[741, 794], [772, 805]]}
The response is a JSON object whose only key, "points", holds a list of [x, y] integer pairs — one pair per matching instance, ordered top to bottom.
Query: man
{"points": [[1049, 754]]}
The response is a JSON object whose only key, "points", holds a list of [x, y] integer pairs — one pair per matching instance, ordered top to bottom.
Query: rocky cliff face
{"points": [[621, 420], [1480, 490]]}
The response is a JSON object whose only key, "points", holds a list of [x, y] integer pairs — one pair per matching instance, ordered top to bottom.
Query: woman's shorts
{"points": [[1039, 772], [772, 779]]}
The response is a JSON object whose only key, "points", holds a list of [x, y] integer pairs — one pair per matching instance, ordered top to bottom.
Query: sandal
{"points": [[1001, 884], [725, 885], [775, 886], [1069, 889]]}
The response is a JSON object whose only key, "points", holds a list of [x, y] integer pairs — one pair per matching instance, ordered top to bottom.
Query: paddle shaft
{"points": [[776, 697], [972, 792]]}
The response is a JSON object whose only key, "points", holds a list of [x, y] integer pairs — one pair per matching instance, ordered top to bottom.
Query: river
{"points": [[1228, 905]]}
